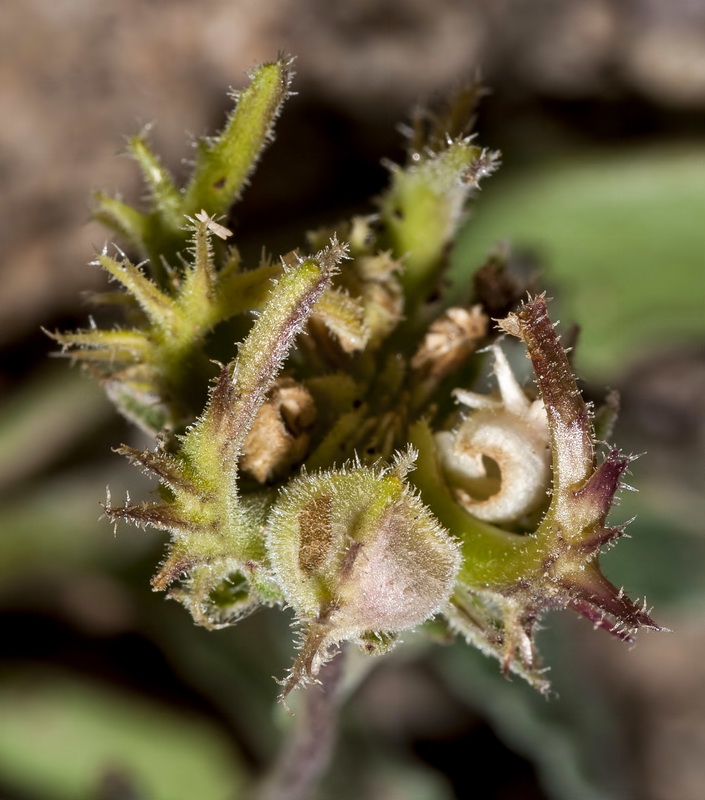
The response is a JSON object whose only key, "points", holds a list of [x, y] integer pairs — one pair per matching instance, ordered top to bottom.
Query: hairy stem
{"points": [[306, 752]]}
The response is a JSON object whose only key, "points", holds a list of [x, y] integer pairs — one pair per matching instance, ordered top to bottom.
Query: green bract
{"points": [[333, 472]]}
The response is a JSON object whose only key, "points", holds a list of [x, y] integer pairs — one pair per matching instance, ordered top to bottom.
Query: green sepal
{"points": [[224, 163], [222, 167], [165, 199], [423, 208], [123, 219]]}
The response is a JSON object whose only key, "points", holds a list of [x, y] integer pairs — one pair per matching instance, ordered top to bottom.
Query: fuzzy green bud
{"points": [[357, 554]]}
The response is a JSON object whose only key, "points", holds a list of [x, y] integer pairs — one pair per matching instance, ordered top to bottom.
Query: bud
{"points": [[358, 556]]}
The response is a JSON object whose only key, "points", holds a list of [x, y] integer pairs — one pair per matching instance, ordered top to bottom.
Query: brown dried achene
{"points": [[450, 340], [279, 435]]}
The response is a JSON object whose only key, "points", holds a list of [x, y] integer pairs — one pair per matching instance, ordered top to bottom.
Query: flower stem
{"points": [[308, 748]]}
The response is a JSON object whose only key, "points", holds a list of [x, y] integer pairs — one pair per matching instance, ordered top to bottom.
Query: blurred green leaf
{"points": [[620, 237], [42, 419], [56, 523], [663, 558], [233, 667], [59, 739], [402, 780]]}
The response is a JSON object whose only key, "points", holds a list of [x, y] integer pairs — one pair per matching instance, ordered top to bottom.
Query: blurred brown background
{"points": [[599, 109]]}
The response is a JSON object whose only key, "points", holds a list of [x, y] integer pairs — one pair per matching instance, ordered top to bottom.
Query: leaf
{"points": [[617, 234], [59, 737]]}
